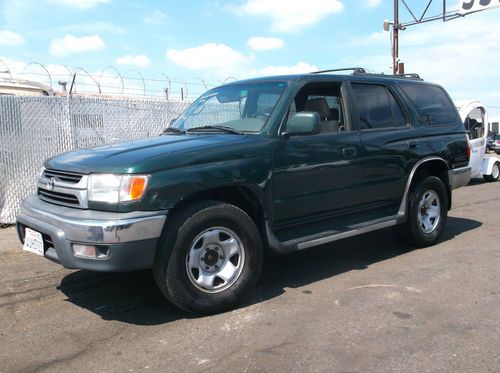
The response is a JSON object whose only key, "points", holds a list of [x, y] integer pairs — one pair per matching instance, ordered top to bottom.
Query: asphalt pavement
{"points": [[365, 304]]}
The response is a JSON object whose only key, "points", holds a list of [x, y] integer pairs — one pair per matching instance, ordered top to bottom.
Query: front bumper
{"points": [[459, 177], [130, 239]]}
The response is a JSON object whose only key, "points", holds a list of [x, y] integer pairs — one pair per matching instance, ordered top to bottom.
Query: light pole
{"points": [[397, 67]]}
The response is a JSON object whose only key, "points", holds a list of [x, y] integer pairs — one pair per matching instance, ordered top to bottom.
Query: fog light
{"points": [[84, 251], [90, 251]]}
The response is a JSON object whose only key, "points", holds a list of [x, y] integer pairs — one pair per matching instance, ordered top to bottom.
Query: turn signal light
{"points": [[133, 187], [136, 187]]}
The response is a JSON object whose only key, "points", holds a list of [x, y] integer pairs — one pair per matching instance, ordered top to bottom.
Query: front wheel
{"points": [[495, 173], [427, 213], [213, 261]]}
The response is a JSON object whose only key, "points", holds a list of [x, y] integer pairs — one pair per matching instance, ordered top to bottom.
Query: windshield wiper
{"points": [[219, 128], [172, 130]]}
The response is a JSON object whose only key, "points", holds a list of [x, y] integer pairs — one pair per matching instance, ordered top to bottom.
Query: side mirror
{"points": [[172, 121], [302, 124]]}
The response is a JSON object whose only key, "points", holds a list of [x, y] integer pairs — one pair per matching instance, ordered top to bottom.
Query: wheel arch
{"points": [[430, 166], [240, 196]]}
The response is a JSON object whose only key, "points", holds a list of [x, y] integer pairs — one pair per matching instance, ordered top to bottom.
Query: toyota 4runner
{"points": [[282, 163]]}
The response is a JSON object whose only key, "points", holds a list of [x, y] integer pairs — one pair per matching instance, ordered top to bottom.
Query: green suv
{"points": [[281, 163]]}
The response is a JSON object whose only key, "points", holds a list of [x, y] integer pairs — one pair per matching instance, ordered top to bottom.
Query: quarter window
{"points": [[433, 105]]}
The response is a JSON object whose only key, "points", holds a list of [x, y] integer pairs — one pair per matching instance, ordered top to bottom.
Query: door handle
{"points": [[412, 144], [349, 152]]}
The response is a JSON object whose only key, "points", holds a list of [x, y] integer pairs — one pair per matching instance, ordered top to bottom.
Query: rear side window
{"points": [[432, 104], [376, 107]]}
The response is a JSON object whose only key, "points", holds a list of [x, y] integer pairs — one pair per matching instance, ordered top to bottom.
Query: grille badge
{"points": [[50, 183]]}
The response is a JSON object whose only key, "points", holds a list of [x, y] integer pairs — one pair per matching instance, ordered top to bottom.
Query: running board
{"points": [[327, 236]]}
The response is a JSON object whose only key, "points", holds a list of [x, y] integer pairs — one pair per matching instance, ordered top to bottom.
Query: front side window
{"points": [[324, 99], [242, 107], [376, 107]]}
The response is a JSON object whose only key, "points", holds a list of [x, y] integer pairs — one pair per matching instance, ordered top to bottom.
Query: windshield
{"points": [[242, 107]]}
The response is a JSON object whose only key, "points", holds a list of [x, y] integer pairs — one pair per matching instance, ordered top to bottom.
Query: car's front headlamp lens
{"points": [[112, 188]]}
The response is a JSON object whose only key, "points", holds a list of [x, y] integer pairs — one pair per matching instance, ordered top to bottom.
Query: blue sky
{"points": [[212, 40]]}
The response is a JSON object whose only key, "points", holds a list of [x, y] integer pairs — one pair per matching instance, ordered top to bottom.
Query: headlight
{"points": [[112, 188]]}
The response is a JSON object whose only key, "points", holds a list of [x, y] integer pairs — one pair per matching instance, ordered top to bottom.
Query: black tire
{"points": [[497, 151], [495, 173], [412, 231], [172, 260]]}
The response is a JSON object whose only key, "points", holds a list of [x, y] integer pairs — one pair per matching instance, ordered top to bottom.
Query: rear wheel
{"points": [[495, 173], [427, 213], [213, 261]]}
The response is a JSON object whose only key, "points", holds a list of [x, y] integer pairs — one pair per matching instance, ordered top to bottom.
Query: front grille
{"points": [[64, 176], [58, 198], [47, 241]]}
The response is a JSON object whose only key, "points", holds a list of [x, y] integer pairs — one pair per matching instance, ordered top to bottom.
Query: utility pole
{"points": [[395, 39]]}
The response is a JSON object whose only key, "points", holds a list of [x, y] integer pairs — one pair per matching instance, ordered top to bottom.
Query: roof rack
{"points": [[355, 70], [362, 71], [410, 75], [413, 76]]}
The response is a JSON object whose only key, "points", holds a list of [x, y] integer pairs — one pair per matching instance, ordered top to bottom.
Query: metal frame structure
{"points": [[397, 26]]}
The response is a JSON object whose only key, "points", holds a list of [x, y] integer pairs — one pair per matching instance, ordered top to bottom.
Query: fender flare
{"points": [[487, 165], [404, 201]]}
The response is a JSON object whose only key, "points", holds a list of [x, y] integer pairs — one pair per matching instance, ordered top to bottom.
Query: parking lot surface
{"points": [[365, 304]]}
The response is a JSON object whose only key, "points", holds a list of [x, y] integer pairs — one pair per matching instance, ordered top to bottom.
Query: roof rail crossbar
{"points": [[355, 70]]}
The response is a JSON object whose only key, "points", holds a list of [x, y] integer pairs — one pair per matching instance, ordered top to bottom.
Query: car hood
{"points": [[141, 156]]}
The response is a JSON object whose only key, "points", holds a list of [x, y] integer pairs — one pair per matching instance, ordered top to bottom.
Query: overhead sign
{"points": [[470, 6]]}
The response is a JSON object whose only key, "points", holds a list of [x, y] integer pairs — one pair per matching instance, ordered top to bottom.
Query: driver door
{"points": [[318, 176]]}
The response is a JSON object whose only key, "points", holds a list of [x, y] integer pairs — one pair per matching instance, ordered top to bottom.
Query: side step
{"points": [[321, 238]]}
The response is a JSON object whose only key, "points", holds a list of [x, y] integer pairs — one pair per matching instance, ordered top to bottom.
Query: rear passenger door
{"points": [[388, 142]]}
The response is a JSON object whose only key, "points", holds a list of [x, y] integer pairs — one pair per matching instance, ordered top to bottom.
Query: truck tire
{"points": [[495, 173], [427, 213], [209, 259]]}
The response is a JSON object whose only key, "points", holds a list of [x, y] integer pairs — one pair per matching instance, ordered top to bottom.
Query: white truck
{"points": [[475, 119]]}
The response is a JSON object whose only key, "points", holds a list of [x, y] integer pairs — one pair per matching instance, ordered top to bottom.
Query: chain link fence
{"points": [[35, 128]]}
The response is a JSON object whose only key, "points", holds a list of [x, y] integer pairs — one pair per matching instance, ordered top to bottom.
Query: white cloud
{"points": [[372, 3], [80, 4], [290, 15], [157, 17], [8, 37], [378, 37], [259, 43], [73, 44], [216, 58], [140, 60], [13, 66], [299, 68]]}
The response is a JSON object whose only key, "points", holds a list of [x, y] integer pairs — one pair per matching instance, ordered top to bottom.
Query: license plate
{"points": [[33, 242]]}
